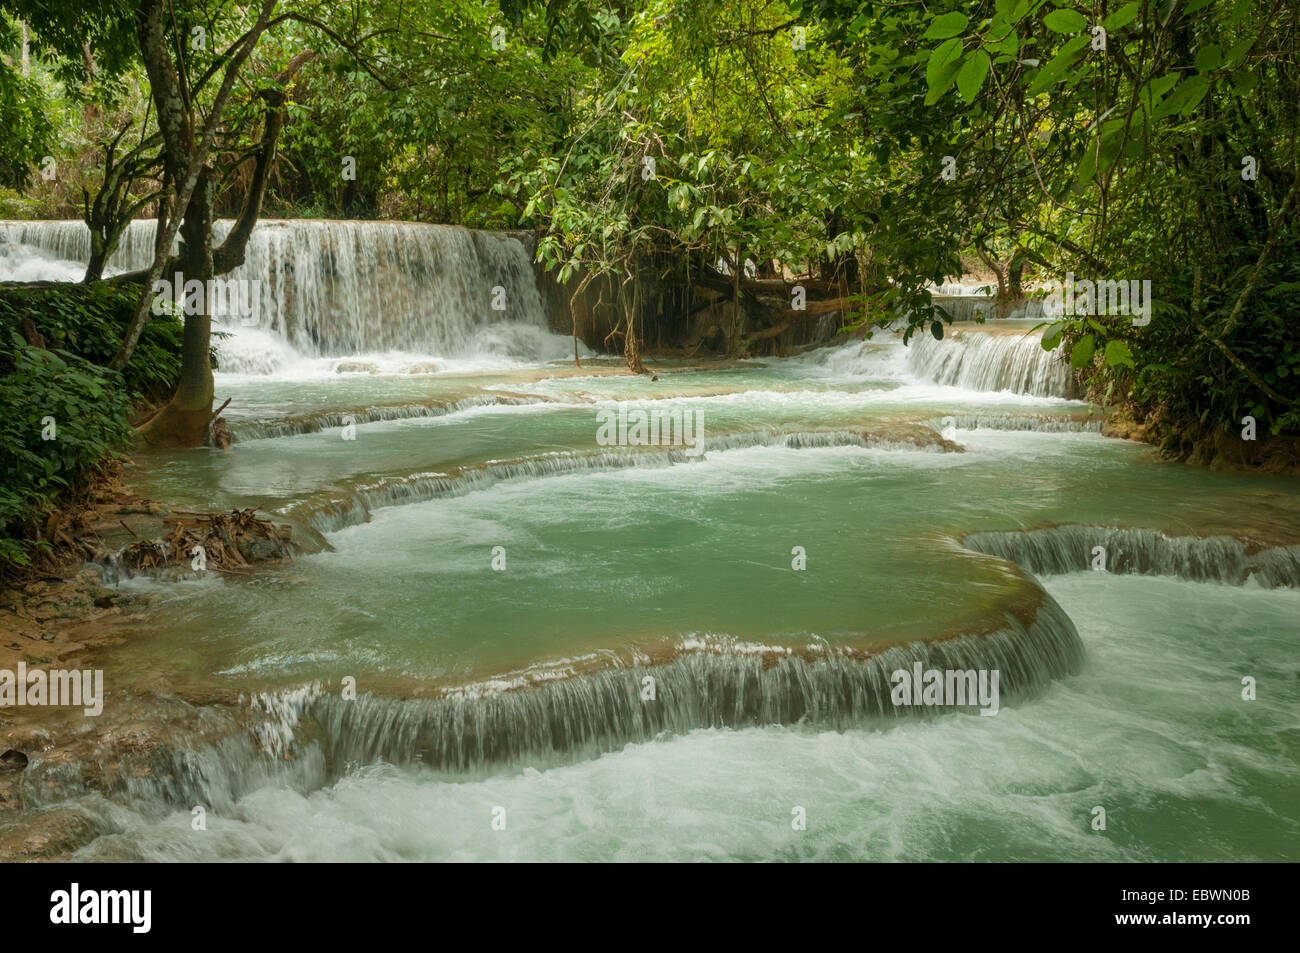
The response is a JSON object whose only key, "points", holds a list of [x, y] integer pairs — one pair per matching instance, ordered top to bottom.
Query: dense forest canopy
{"points": [[876, 148]]}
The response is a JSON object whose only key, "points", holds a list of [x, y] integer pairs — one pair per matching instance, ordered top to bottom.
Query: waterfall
{"points": [[67, 243], [335, 288], [966, 301], [984, 361], [316, 422], [1035, 423], [333, 514], [1065, 549], [586, 715], [305, 738]]}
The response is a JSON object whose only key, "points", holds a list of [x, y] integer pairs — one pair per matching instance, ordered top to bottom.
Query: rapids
{"points": [[499, 587]]}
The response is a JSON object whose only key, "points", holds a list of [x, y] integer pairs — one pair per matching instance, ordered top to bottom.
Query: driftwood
{"points": [[228, 540]]}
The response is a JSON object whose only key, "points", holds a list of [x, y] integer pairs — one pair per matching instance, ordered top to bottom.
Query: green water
{"points": [[619, 566]]}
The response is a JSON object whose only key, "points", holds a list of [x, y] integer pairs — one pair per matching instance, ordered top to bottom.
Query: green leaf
{"points": [[1125, 15], [1065, 21], [950, 24], [1009, 44], [1238, 51], [941, 57], [1208, 58], [942, 68], [1054, 70], [972, 74], [1157, 88], [1184, 99], [1087, 165], [936, 329], [1052, 336], [1081, 353], [1118, 353]]}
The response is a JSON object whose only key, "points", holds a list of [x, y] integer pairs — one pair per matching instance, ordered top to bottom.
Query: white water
{"points": [[341, 297], [355, 297], [992, 362], [1152, 726], [1137, 732]]}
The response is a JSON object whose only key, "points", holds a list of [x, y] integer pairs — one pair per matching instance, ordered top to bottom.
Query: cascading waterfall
{"points": [[53, 247], [335, 288], [967, 302], [992, 362], [314, 423], [1036, 423], [339, 513], [1065, 549], [586, 715], [306, 737]]}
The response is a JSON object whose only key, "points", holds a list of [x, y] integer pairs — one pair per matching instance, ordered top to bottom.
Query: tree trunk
{"points": [[98, 258], [183, 422]]}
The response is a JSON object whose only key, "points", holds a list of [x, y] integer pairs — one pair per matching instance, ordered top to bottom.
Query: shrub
{"points": [[89, 321], [62, 413]]}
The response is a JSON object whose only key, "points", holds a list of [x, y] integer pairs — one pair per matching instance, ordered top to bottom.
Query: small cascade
{"points": [[331, 288], [969, 301], [973, 305], [966, 307], [992, 362], [314, 423], [1036, 423], [336, 514], [1066, 549], [586, 715], [304, 738]]}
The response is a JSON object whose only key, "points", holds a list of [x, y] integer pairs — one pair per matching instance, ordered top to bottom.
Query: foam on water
{"points": [[390, 294], [992, 362], [631, 562], [1136, 730]]}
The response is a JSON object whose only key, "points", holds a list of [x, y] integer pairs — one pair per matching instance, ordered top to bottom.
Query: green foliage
{"points": [[24, 109], [431, 125], [1108, 142], [880, 146], [89, 321], [63, 393], [83, 412]]}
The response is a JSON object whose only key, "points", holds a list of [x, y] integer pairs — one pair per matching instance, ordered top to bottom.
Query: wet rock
{"points": [[255, 549], [13, 760], [46, 834]]}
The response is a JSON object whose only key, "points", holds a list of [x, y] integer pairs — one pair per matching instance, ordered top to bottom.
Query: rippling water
{"points": [[499, 585]]}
